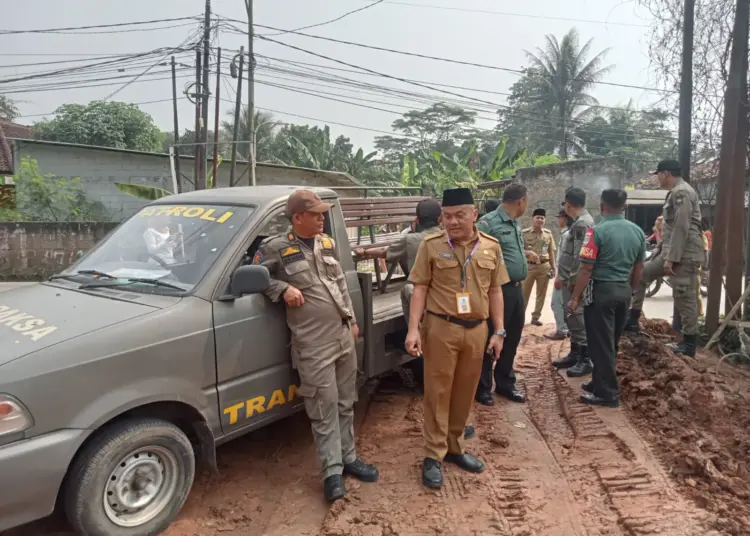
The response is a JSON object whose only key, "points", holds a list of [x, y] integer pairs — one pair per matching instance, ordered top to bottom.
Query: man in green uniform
{"points": [[502, 224], [541, 243], [679, 255], [611, 263], [306, 274], [457, 279], [577, 361]]}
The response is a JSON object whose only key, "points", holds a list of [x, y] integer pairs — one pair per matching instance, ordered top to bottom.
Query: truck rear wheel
{"points": [[132, 480]]}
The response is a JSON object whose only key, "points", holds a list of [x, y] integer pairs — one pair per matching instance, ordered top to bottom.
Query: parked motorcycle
{"points": [[656, 284]]}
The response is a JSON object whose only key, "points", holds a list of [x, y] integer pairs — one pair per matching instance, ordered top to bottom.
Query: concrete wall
{"points": [[100, 168], [547, 185], [38, 250]]}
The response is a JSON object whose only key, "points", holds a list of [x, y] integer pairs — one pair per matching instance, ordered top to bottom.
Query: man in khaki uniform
{"points": [[541, 243], [679, 255], [306, 273], [457, 279]]}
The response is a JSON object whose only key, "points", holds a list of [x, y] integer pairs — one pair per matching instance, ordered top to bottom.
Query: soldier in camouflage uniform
{"points": [[679, 255], [577, 361]]}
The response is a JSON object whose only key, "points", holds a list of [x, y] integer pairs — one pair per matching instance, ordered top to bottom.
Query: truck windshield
{"points": [[164, 249]]}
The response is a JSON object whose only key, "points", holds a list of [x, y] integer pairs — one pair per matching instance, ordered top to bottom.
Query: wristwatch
{"points": [[500, 333]]}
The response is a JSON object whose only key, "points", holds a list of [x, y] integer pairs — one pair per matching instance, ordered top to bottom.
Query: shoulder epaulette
{"points": [[527, 229], [546, 231], [433, 236], [488, 236], [270, 239]]}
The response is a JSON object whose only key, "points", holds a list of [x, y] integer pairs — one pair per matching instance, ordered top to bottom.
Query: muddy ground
{"points": [[674, 461]]}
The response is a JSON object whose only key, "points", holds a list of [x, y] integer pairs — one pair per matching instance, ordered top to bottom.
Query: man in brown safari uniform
{"points": [[306, 273]]}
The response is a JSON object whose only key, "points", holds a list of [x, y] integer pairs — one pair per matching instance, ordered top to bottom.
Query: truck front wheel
{"points": [[131, 480]]}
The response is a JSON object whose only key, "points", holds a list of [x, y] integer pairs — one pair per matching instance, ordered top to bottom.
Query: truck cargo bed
{"points": [[387, 306]]}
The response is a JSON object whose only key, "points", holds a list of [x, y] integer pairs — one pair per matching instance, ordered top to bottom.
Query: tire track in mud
{"points": [[599, 463]]}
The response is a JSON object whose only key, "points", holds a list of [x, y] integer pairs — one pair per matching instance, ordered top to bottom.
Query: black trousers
{"points": [[514, 316], [605, 321]]}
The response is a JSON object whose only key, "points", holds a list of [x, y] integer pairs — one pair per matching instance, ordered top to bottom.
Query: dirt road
{"points": [[673, 461]]}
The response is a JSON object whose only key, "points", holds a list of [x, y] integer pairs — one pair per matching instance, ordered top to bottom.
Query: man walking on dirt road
{"points": [[502, 224], [540, 241], [679, 255], [611, 262], [307, 275], [457, 280], [577, 361]]}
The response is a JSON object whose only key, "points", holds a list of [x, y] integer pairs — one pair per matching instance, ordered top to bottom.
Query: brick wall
{"points": [[37, 250]]}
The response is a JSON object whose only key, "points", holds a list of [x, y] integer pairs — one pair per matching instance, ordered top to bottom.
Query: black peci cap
{"points": [[457, 196], [539, 212]]}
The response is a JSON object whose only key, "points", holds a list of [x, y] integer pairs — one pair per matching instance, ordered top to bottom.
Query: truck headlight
{"points": [[14, 417]]}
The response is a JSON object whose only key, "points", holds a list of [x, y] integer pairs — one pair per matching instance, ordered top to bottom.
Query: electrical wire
{"points": [[352, 12], [116, 25]]}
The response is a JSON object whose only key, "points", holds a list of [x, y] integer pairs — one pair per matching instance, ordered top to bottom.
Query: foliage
{"points": [[8, 108], [104, 124], [265, 126], [186, 143], [142, 191], [48, 198]]}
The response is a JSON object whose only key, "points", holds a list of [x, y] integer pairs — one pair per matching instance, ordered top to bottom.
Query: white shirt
{"points": [[159, 245]]}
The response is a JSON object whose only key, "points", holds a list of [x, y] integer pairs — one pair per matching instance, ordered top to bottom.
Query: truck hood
{"points": [[36, 317]]}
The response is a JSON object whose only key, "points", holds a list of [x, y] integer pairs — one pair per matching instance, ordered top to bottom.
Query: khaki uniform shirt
{"points": [[682, 237], [542, 243], [405, 250], [438, 267], [319, 276]]}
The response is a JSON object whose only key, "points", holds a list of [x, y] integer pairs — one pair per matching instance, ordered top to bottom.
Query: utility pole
{"points": [[686, 89], [251, 90], [205, 94], [237, 110], [216, 121], [176, 128], [197, 134], [729, 142]]}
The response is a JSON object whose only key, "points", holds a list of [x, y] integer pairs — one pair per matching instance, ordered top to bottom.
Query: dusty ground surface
{"points": [[672, 461]]}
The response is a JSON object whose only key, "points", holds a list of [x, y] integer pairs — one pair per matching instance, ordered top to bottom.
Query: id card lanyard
{"points": [[463, 304]]}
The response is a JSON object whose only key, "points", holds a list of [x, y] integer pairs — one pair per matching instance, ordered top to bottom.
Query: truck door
{"points": [[255, 378]]}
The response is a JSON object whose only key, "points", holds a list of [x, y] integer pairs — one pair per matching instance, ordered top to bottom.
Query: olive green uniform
{"points": [[543, 244], [682, 244], [614, 246], [405, 253], [567, 272], [323, 350]]}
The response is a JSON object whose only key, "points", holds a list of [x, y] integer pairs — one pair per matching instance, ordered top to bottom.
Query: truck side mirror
{"points": [[250, 279]]}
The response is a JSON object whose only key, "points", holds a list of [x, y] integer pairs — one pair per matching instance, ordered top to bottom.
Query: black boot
{"points": [[632, 324], [686, 347], [569, 360], [583, 367], [334, 489]]}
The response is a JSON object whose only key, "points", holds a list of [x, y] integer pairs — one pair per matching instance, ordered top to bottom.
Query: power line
{"points": [[352, 12], [116, 25], [135, 103]]}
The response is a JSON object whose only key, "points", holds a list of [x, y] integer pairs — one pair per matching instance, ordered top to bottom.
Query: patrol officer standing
{"points": [[502, 224], [541, 243], [679, 255], [611, 262], [306, 273], [457, 279], [558, 304], [577, 361]]}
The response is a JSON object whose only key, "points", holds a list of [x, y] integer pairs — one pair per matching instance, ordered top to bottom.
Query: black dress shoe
{"points": [[536, 323], [588, 386], [512, 394], [485, 399], [592, 399], [469, 432], [467, 462], [361, 470], [432, 476], [334, 489]]}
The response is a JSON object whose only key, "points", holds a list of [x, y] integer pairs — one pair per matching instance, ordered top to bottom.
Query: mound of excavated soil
{"points": [[699, 417]]}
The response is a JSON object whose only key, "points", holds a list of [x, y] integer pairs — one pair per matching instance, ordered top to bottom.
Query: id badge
{"points": [[463, 305]]}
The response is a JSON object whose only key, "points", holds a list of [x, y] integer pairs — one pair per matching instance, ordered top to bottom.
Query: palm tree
{"points": [[567, 74], [264, 125]]}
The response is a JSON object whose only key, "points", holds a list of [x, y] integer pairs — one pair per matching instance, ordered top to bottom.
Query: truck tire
{"points": [[131, 480]]}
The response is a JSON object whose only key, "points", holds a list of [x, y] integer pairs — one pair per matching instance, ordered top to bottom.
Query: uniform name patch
{"points": [[589, 250], [291, 254], [445, 255]]}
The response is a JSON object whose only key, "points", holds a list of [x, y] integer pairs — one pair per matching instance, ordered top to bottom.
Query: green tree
{"points": [[8, 108], [105, 124], [265, 126], [186, 144]]}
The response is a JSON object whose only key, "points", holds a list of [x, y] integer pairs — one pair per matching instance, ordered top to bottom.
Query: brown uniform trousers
{"points": [[543, 244], [454, 345], [323, 349]]}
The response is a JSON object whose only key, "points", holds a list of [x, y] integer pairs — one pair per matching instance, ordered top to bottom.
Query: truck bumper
{"points": [[31, 472]]}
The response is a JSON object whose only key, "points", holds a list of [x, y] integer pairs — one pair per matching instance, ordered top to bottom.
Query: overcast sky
{"points": [[493, 39]]}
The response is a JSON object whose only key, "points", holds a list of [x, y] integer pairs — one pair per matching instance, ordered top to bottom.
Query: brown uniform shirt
{"points": [[682, 236], [542, 243], [438, 267], [319, 276]]}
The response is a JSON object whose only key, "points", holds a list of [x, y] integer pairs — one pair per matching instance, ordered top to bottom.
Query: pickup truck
{"points": [[122, 373]]}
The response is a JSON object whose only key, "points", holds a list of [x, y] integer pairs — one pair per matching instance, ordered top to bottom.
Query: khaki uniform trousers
{"points": [[539, 274], [452, 365], [328, 377]]}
